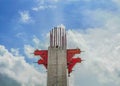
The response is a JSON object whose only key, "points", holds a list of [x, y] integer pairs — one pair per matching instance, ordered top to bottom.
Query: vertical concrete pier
{"points": [[57, 62]]}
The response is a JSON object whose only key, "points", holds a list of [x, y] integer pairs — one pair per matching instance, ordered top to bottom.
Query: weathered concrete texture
{"points": [[57, 67]]}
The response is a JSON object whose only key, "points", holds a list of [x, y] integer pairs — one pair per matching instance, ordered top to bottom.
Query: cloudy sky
{"points": [[91, 25]]}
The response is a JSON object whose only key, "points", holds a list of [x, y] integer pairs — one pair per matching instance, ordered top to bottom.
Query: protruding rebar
{"points": [[54, 37], [58, 37], [50, 39], [65, 40]]}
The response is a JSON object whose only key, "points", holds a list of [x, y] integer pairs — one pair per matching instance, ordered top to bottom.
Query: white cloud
{"points": [[43, 1], [117, 2], [45, 4], [51, 4], [43, 7], [25, 17], [22, 36], [37, 44], [41, 44], [102, 48], [29, 50], [15, 51], [15, 70]]}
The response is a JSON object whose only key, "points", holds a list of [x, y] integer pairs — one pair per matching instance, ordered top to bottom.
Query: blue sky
{"points": [[72, 13], [92, 25]]}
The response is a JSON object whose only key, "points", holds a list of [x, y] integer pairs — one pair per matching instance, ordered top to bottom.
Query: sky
{"points": [[91, 25]]}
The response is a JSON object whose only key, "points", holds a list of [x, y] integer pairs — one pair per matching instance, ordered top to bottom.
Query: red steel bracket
{"points": [[44, 55], [72, 61]]}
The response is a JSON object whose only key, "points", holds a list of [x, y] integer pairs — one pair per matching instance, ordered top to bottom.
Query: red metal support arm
{"points": [[71, 53], [44, 56], [41, 61], [72, 61], [72, 64]]}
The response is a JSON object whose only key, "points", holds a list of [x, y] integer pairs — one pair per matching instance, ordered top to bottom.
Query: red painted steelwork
{"points": [[71, 53], [44, 56], [41, 61], [72, 61]]}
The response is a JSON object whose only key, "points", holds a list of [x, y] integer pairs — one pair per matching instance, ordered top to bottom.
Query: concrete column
{"points": [[57, 60], [57, 67]]}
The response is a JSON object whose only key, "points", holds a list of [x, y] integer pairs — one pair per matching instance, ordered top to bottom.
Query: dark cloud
{"points": [[7, 81]]}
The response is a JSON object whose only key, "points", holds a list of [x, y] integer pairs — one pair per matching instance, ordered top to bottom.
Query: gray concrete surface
{"points": [[57, 67]]}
